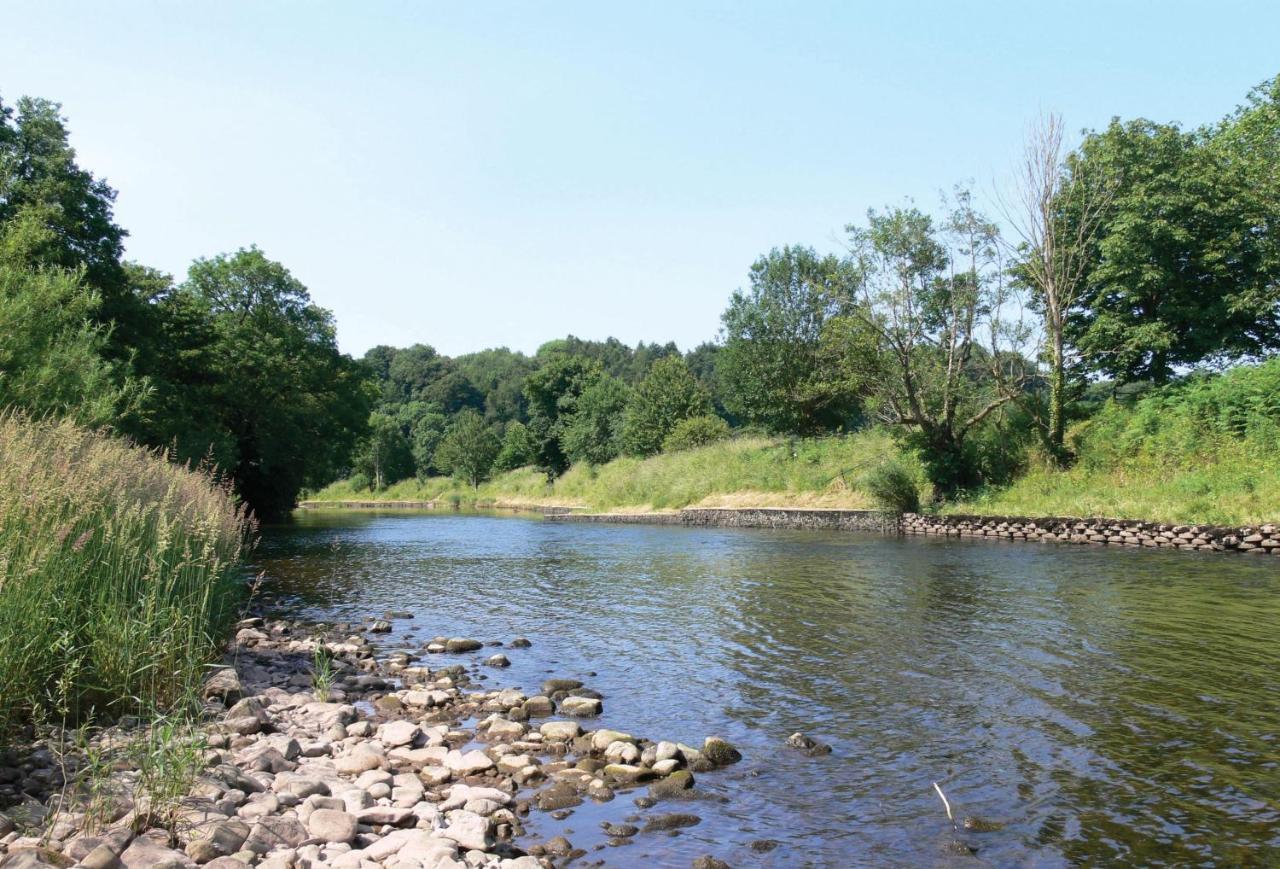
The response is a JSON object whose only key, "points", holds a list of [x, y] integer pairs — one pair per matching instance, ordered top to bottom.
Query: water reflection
{"points": [[1102, 705]]}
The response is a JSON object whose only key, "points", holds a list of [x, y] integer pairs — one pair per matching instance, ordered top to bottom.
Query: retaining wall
{"points": [[1255, 540]]}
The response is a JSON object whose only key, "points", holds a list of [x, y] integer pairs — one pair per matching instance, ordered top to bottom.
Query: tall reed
{"points": [[119, 574]]}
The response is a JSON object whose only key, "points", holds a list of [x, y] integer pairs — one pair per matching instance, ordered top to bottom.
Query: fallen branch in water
{"points": [[946, 804]]}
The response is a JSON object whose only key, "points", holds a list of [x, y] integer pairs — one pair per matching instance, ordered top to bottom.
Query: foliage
{"points": [[41, 184], [1185, 267], [914, 345], [51, 350], [772, 367], [261, 388], [552, 393], [667, 396], [427, 431], [694, 432], [593, 434], [469, 448], [518, 449], [1205, 449], [384, 454], [891, 487], [120, 574]]}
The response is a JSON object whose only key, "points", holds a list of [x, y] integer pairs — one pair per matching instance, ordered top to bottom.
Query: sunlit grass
{"points": [[744, 472], [119, 574]]}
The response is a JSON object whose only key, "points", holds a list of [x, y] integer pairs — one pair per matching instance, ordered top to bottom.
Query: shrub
{"points": [[696, 431], [359, 482], [892, 488], [120, 574]]}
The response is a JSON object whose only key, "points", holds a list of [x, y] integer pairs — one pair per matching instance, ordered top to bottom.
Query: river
{"points": [[1094, 705]]}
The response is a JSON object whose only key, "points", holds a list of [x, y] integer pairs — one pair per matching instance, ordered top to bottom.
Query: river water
{"points": [[1097, 705]]}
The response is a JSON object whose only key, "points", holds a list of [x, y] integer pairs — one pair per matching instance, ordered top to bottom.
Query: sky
{"points": [[485, 174]]}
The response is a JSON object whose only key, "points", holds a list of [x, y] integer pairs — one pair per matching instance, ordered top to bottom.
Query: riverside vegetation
{"points": [[1111, 356]]}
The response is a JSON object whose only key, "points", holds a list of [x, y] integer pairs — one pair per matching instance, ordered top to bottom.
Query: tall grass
{"points": [[1206, 450], [118, 574]]}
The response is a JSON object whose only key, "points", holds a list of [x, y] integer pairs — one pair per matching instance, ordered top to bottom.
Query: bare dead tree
{"points": [[1056, 214]]}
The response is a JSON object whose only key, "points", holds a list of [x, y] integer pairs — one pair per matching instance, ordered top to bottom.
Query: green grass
{"points": [[1203, 451], [747, 472], [118, 575]]}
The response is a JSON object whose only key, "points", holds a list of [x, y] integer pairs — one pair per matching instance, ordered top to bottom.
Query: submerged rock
{"points": [[807, 745], [673, 821]]}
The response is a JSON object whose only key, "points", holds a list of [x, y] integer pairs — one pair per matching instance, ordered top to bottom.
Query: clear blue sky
{"points": [[485, 174]]}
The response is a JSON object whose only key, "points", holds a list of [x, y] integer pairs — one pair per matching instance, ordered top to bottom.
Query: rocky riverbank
{"points": [[320, 750]]}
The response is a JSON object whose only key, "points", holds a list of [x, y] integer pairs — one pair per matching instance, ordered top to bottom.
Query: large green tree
{"points": [[1183, 270], [927, 344], [772, 366], [552, 393], [668, 395], [270, 398], [593, 434], [469, 448]]}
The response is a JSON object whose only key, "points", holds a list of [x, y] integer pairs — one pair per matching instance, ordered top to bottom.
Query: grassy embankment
{"points": [[1206, 450], [1203, 451], [744, 472], [118, 575]]}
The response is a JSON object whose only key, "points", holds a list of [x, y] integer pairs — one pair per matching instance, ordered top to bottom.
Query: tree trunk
{"points": [[1057, 399]]}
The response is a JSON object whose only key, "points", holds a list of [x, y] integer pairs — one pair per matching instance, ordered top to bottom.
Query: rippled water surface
{"points": [[1101, 705]]}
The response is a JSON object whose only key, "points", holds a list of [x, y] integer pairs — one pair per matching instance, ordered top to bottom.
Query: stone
{"points": [[380, 626], [520, 643], [457, 645], [497, 661], [222, 684], [551, 686], [539, 706], [580, 707], [560, 731], [394, 734], [601, 739], [807, 745], [622, 752], [720, 752], [358, 761], [467, 764], [624, 772], [675, 785], [559, 795], [389, 815], [674, 821], [332, 825], [468, 829], [622, 831], [273, 832], [222, 840], [143, 852], [37, 858], [708, 862]]}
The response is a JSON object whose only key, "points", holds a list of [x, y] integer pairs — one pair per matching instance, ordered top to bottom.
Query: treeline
{"points": [[1146, 252], [975, 335], [233, 367]]}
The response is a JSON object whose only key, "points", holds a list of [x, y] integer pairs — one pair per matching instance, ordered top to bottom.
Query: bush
{"points": [[696, 431], [359, 482], [892, 488], [120, 574]]}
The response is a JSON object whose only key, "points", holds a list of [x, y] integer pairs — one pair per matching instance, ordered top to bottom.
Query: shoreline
{"points": [[1261, 540], [394, 758]]}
